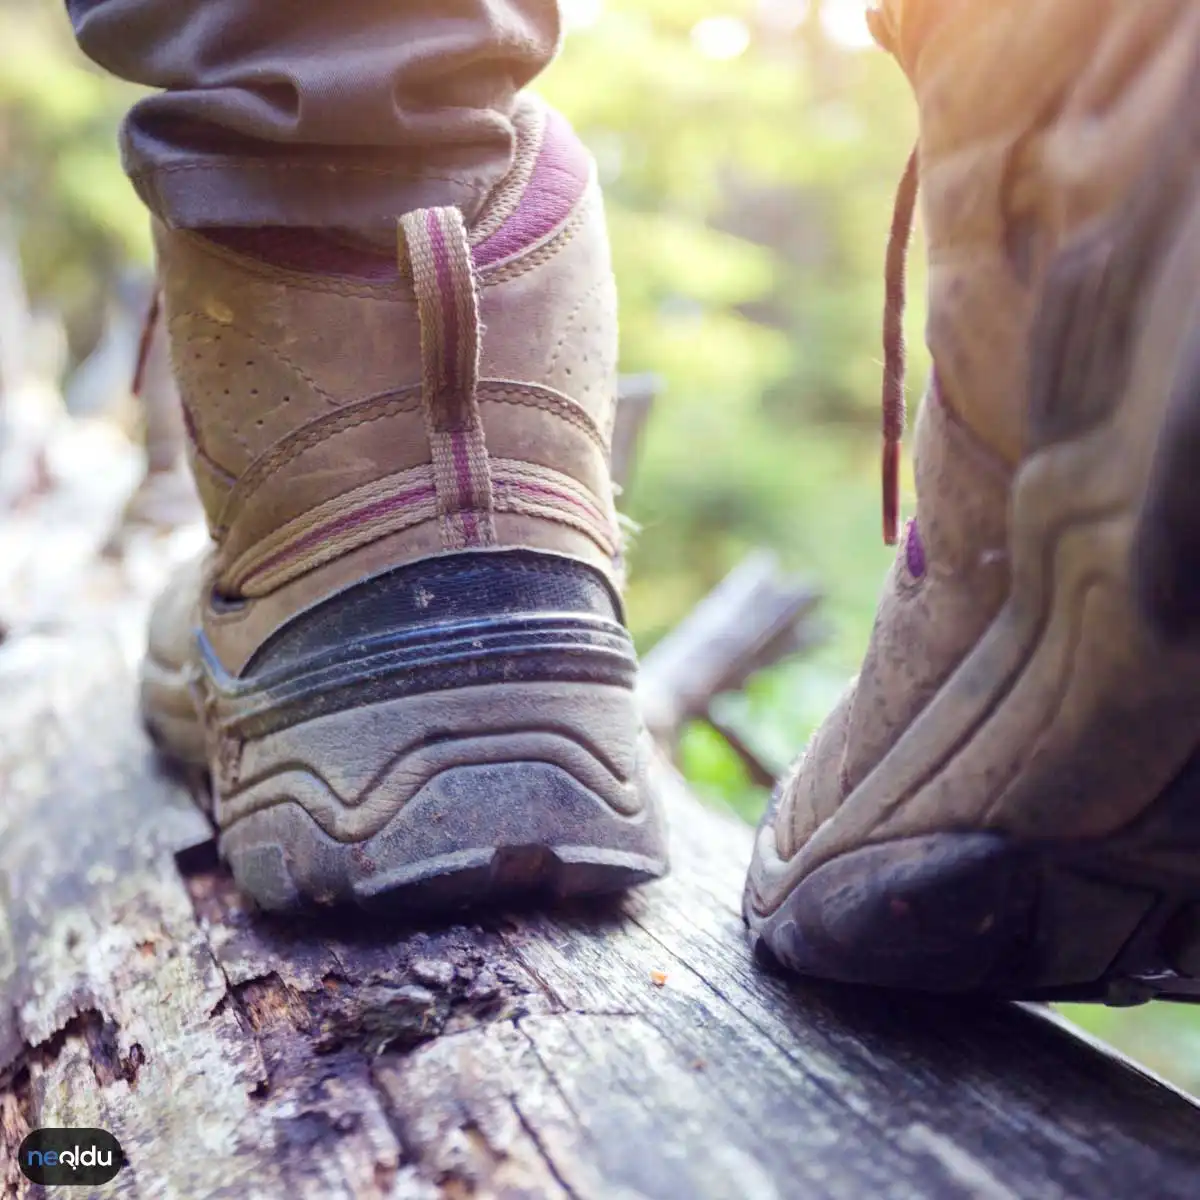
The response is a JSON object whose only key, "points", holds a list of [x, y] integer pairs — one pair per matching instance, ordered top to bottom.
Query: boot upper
{"points": [[1035, 118], [320, 388]]}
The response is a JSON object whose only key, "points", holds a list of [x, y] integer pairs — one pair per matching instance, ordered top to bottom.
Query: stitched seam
{"points": [[506, 197], [390, 292], [571, 318], [253, 337], [529, 396], [228, 427], [311, 434], [294, 445], [206, 460], [515, 470], [508, 476], [505, 502], [284, 532], [282, 542], [257, 582]]}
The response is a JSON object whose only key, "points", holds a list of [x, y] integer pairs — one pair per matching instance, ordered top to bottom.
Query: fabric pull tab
{"points": [[435, 243]]}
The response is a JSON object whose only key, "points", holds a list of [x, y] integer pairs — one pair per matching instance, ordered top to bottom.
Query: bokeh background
{"points": [[750, 150]]}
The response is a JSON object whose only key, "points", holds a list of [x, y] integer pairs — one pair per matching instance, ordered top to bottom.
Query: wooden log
{"points": [[636, 395], [753, 618], [628, 1050]]}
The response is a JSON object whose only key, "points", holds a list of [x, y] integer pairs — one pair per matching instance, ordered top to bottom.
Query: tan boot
{"points": [[404, 660], [1001, 802]]}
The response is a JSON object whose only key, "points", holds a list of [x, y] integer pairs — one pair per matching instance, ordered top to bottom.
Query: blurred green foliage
{"points": [[749, 160], [749, 164], [61, 183], [749, 197]]}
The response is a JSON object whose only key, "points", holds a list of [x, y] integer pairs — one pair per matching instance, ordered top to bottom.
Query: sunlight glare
{"points": [[581, 14], [782, 16], [845, 23], [721, 37]]}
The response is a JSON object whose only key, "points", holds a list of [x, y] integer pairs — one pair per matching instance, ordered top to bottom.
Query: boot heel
{"points": [[496, 750]]}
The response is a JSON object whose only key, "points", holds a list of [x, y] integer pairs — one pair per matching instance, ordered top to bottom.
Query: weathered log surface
{"points": [[626, 1051]]}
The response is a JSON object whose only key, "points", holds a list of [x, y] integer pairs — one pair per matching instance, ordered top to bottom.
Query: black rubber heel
{"points": [[939, 913], [1113, 919]]}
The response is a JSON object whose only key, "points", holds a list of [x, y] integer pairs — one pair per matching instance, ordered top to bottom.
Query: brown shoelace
{"points": [[149, 324], [894, 352]]}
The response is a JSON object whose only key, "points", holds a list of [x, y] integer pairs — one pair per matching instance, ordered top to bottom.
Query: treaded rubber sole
{"points": [[459, 730], [471, 834], [1115, 920]]}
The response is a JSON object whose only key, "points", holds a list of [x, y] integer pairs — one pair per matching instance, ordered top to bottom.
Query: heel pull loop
{"points": [[434, 242]]}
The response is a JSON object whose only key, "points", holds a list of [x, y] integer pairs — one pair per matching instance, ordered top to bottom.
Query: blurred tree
{"points": [[749, 162], [76, 217]]}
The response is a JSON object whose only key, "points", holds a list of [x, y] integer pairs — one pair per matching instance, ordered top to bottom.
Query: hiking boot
{"points": [[403, 660], [1006, 800]]}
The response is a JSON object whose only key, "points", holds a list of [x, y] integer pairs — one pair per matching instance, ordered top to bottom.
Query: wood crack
{"points": [[535, 1137]]}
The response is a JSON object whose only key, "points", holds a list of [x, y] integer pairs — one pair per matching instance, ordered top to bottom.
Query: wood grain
{"points": [[633, 1050]]}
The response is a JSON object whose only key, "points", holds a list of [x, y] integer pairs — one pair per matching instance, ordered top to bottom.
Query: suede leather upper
{"points": [[1035, 118], [302, 385]]}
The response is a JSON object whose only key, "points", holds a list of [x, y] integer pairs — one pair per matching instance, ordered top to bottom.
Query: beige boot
{"points": [[404, 660], [991, 805]]}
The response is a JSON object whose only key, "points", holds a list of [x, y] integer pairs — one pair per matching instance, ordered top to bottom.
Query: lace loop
{"points": [[145, 340], [894, 351]]}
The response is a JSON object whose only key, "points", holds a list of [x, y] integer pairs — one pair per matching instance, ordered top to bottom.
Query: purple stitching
{"points": [[462, 477], [375, 509], [914, 551]]}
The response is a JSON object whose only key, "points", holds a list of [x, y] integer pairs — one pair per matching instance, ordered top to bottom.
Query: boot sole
{"points": [[428, 764], [448, 798], [472, 832], [498, 832], [987, 851], [1114, 920]]}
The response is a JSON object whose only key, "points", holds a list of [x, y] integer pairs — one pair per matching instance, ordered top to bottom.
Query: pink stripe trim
{"points": [[559, 176], [462, 477], [543, 490], [377, 508]]}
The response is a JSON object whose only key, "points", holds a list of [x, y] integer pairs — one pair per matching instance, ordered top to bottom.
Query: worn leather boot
{"points": [[404, 661], [1007, 800]]}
